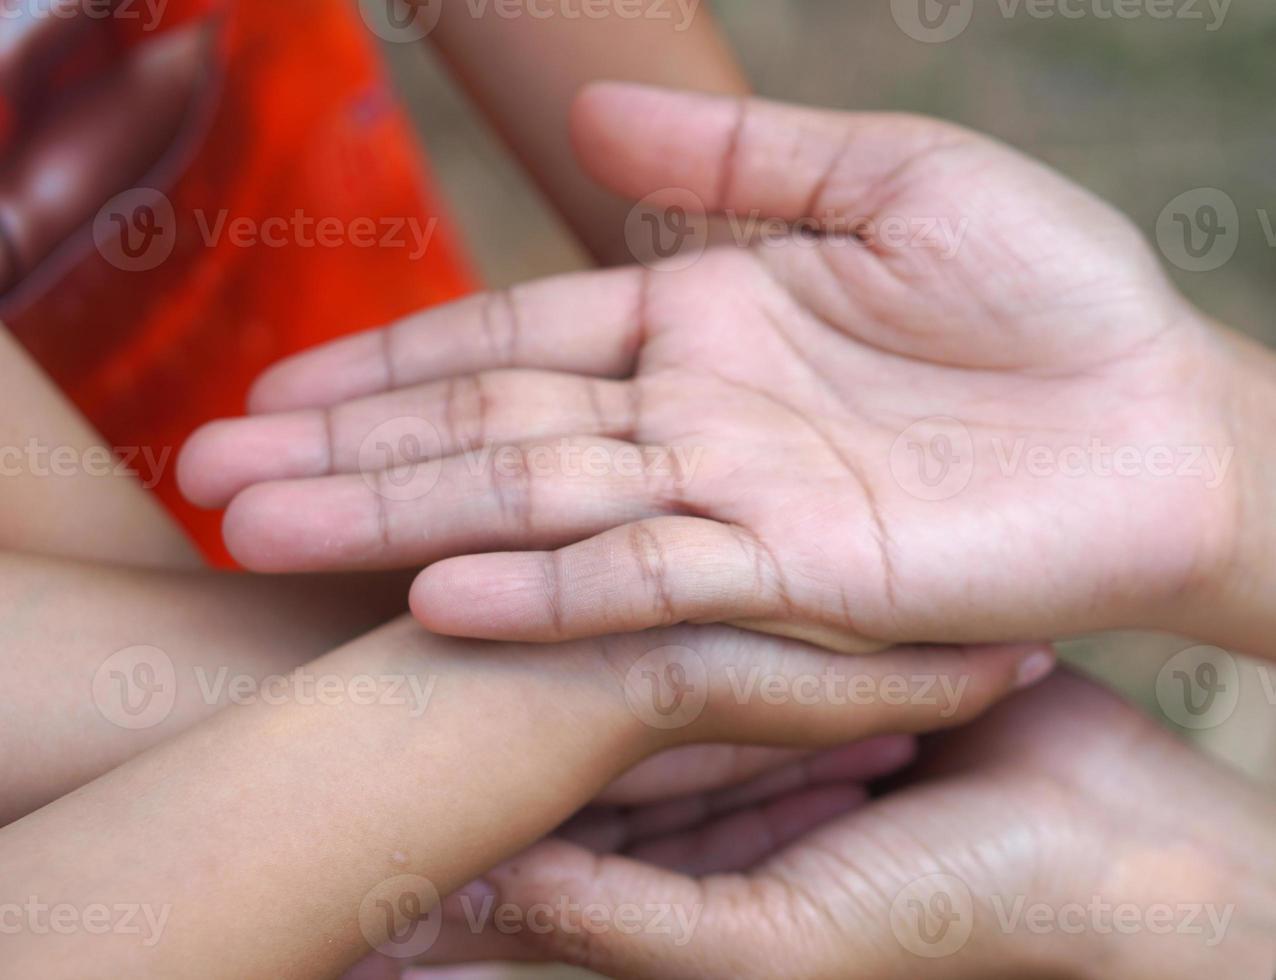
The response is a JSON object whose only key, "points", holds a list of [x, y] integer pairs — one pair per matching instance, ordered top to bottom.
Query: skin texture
{"points": [[794, 388], [1057, 798], [269, 825]]}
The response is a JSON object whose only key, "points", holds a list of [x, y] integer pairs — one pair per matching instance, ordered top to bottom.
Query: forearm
{"points": [[525, 71], [69, 510], [99, 663], [268, 826]]}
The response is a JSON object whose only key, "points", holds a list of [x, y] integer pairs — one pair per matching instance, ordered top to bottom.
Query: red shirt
{"points": [[300, 208]]}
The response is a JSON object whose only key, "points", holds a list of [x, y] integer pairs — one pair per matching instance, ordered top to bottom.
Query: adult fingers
{"points": [[585, 323], [407, 426], [525, 496], [649, 574]]}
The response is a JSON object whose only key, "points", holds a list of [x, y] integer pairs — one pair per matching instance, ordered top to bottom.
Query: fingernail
{"points": [[1034, 668]]}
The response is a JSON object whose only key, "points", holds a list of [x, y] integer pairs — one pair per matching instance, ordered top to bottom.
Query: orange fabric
{"points": [[302, 122]]}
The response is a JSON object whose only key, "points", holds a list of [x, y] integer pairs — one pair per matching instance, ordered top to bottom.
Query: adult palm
{"points": [[957, 399], [1064, 835]]}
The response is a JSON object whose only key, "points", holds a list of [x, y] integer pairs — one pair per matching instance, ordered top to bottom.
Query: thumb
{"points": [[746, 155]]}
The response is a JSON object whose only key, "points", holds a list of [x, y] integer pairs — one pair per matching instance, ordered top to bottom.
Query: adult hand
{"points": [[850, 428], [1062, 835]]}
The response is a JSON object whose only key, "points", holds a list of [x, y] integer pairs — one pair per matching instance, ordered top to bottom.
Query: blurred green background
{"points": [[1139, 111]]}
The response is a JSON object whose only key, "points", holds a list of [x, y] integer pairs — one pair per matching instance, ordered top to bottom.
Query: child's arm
{"points": [[525, 71], [63, 492], [99, 663], [283, 839]]}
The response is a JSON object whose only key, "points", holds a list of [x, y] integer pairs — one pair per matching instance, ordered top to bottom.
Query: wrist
{"points": [[1232, 603]]}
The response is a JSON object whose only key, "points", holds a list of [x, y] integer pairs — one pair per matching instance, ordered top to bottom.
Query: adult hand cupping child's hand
{"points": [[973, 408], [1036, 842]]}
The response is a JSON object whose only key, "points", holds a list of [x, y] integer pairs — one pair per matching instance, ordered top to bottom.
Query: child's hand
{"points": [[1026, 433], [398, 756]]}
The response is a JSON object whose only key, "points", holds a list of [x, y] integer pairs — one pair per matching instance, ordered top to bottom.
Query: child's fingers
{"points": [[584, 323], [473, 414], [418, 514], [640, 576], [731, 685], [699, 768], [629, 829], [739, 839]]}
